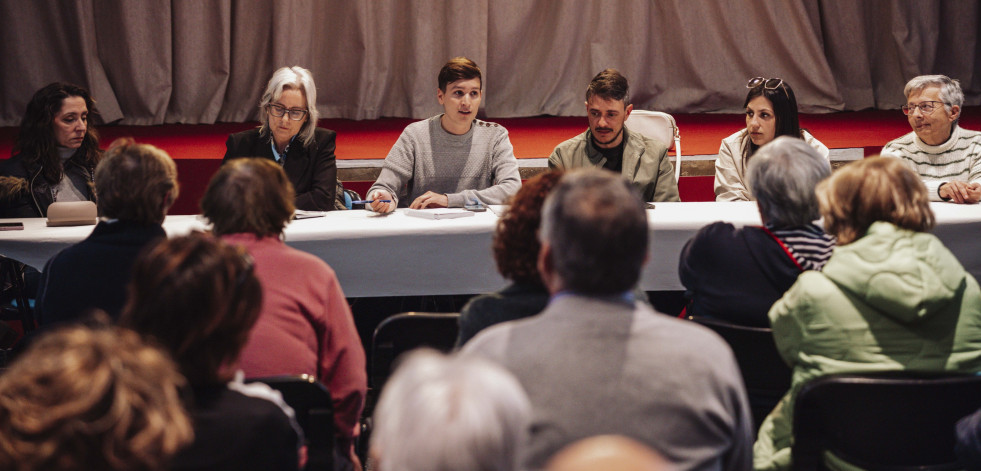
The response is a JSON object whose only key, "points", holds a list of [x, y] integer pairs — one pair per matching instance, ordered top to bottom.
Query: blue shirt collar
{"points": [[276, 154]]}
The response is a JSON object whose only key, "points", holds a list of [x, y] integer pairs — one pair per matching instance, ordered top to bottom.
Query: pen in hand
{"points": [[370, 201]]}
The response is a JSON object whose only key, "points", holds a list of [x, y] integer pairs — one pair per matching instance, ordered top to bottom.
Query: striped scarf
{"points": [[809, 245]]}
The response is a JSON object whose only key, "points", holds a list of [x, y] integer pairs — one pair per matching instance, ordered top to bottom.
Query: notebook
{"points": [[439, 213]]}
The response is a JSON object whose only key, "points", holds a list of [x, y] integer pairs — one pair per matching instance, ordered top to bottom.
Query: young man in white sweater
{"points": [[946, 156], [451, 159]]}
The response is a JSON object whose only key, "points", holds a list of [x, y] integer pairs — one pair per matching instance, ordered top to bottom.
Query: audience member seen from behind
{"points": [[771, 112], [289, 136], [609, 144], [55, 154], [946, 156], [449, 160], [136, 184], [516, 255], [737, 274], [891, 297], [198, 298], [305, 326], [598, 361], [95, 399], [448, 413], [607, 452]]}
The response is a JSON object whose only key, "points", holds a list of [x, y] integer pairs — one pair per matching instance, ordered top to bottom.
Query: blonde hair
{"points": [[870, 190], [94, 399]]}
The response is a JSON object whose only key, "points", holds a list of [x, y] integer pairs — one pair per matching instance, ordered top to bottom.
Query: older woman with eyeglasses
{"points": [[771, 111], [289, 135], [946, 156]]}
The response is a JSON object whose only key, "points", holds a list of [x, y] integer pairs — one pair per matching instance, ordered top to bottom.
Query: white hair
{"points": [[291, 78], [950, 90], [782, 176], [449, 413]]}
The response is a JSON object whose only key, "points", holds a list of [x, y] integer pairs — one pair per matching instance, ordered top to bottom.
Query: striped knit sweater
{"points": [[957, 159]]}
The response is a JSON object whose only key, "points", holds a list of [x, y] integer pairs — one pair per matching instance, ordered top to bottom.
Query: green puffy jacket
{"points": [[892, 300]]}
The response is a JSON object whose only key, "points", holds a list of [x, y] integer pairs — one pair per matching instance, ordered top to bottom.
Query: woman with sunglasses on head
{"points": [[771, 111], [289, 135]]}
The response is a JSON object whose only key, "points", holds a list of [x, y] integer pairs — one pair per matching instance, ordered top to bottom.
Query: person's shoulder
{"points": [[489, 126], [248, 134], [324, 134], [970, 134], [735, 137], [646, 141], [902, 141], [575, 143], [733, 143], [15, 166], [271, 249], [678, 337], [492, 342]]}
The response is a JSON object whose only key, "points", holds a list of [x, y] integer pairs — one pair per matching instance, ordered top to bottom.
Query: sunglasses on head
{"points": [[768, 84]]}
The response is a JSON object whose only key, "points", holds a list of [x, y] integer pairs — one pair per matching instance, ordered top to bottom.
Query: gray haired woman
{"points": [[289, 136], [737, 274]]}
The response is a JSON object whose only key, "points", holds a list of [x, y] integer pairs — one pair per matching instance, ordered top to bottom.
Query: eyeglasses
{"points": [[768, 84], [925, 107], [278, 111]]}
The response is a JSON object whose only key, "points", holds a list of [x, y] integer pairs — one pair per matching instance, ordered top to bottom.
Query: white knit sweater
{"points": [[957, 159]]}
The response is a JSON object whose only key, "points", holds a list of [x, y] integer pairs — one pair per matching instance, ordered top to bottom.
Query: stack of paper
{"points": [[439, 213]]}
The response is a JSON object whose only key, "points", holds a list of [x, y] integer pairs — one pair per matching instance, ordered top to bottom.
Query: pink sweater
{"points": [[305, 327]]}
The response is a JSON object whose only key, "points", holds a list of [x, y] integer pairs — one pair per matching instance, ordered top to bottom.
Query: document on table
{"points": [[439, 213]]}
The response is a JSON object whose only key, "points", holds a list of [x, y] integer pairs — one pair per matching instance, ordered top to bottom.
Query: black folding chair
{"points": [[14, 304], [406, 331], [395, 336], [766, 376], [314, 412], [884, 421]]}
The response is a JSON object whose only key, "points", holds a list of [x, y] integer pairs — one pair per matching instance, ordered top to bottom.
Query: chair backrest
{"points": [[660, 126], [14, 304], [406, 331], [766, 376], [314, 409], [897, 420]]}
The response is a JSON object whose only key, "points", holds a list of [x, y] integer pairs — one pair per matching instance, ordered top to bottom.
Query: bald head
{"points": [[607, 452]]}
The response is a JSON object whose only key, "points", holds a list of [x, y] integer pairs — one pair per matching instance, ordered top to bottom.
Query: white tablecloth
{"points": [[399, 255]]}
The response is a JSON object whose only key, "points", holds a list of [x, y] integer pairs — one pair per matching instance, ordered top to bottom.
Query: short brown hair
{"points": [[458, 68], [609, 84], [135, 182], [870, 190], [250, 195], [516, 242], [199, 298], [91, 398]]}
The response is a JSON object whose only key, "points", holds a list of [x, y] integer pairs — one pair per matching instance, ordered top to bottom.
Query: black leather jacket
{"points": [[24, 193]]}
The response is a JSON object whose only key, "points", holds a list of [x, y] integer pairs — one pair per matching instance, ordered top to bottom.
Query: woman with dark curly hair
{"points": [[55, 155], [516, 254]]}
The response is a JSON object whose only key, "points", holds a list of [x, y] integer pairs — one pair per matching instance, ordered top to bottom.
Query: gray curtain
{"points": [[202, 61]]}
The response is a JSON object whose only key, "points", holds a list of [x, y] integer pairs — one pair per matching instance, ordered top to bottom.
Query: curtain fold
{"points": [[189, 61]]}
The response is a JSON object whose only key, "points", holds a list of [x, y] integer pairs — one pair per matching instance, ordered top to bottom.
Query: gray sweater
{"points": [[477, 165], [594, 366]]}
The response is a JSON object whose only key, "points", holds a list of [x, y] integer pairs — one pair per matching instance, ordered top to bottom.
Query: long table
{"points": [[399, 255]]}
